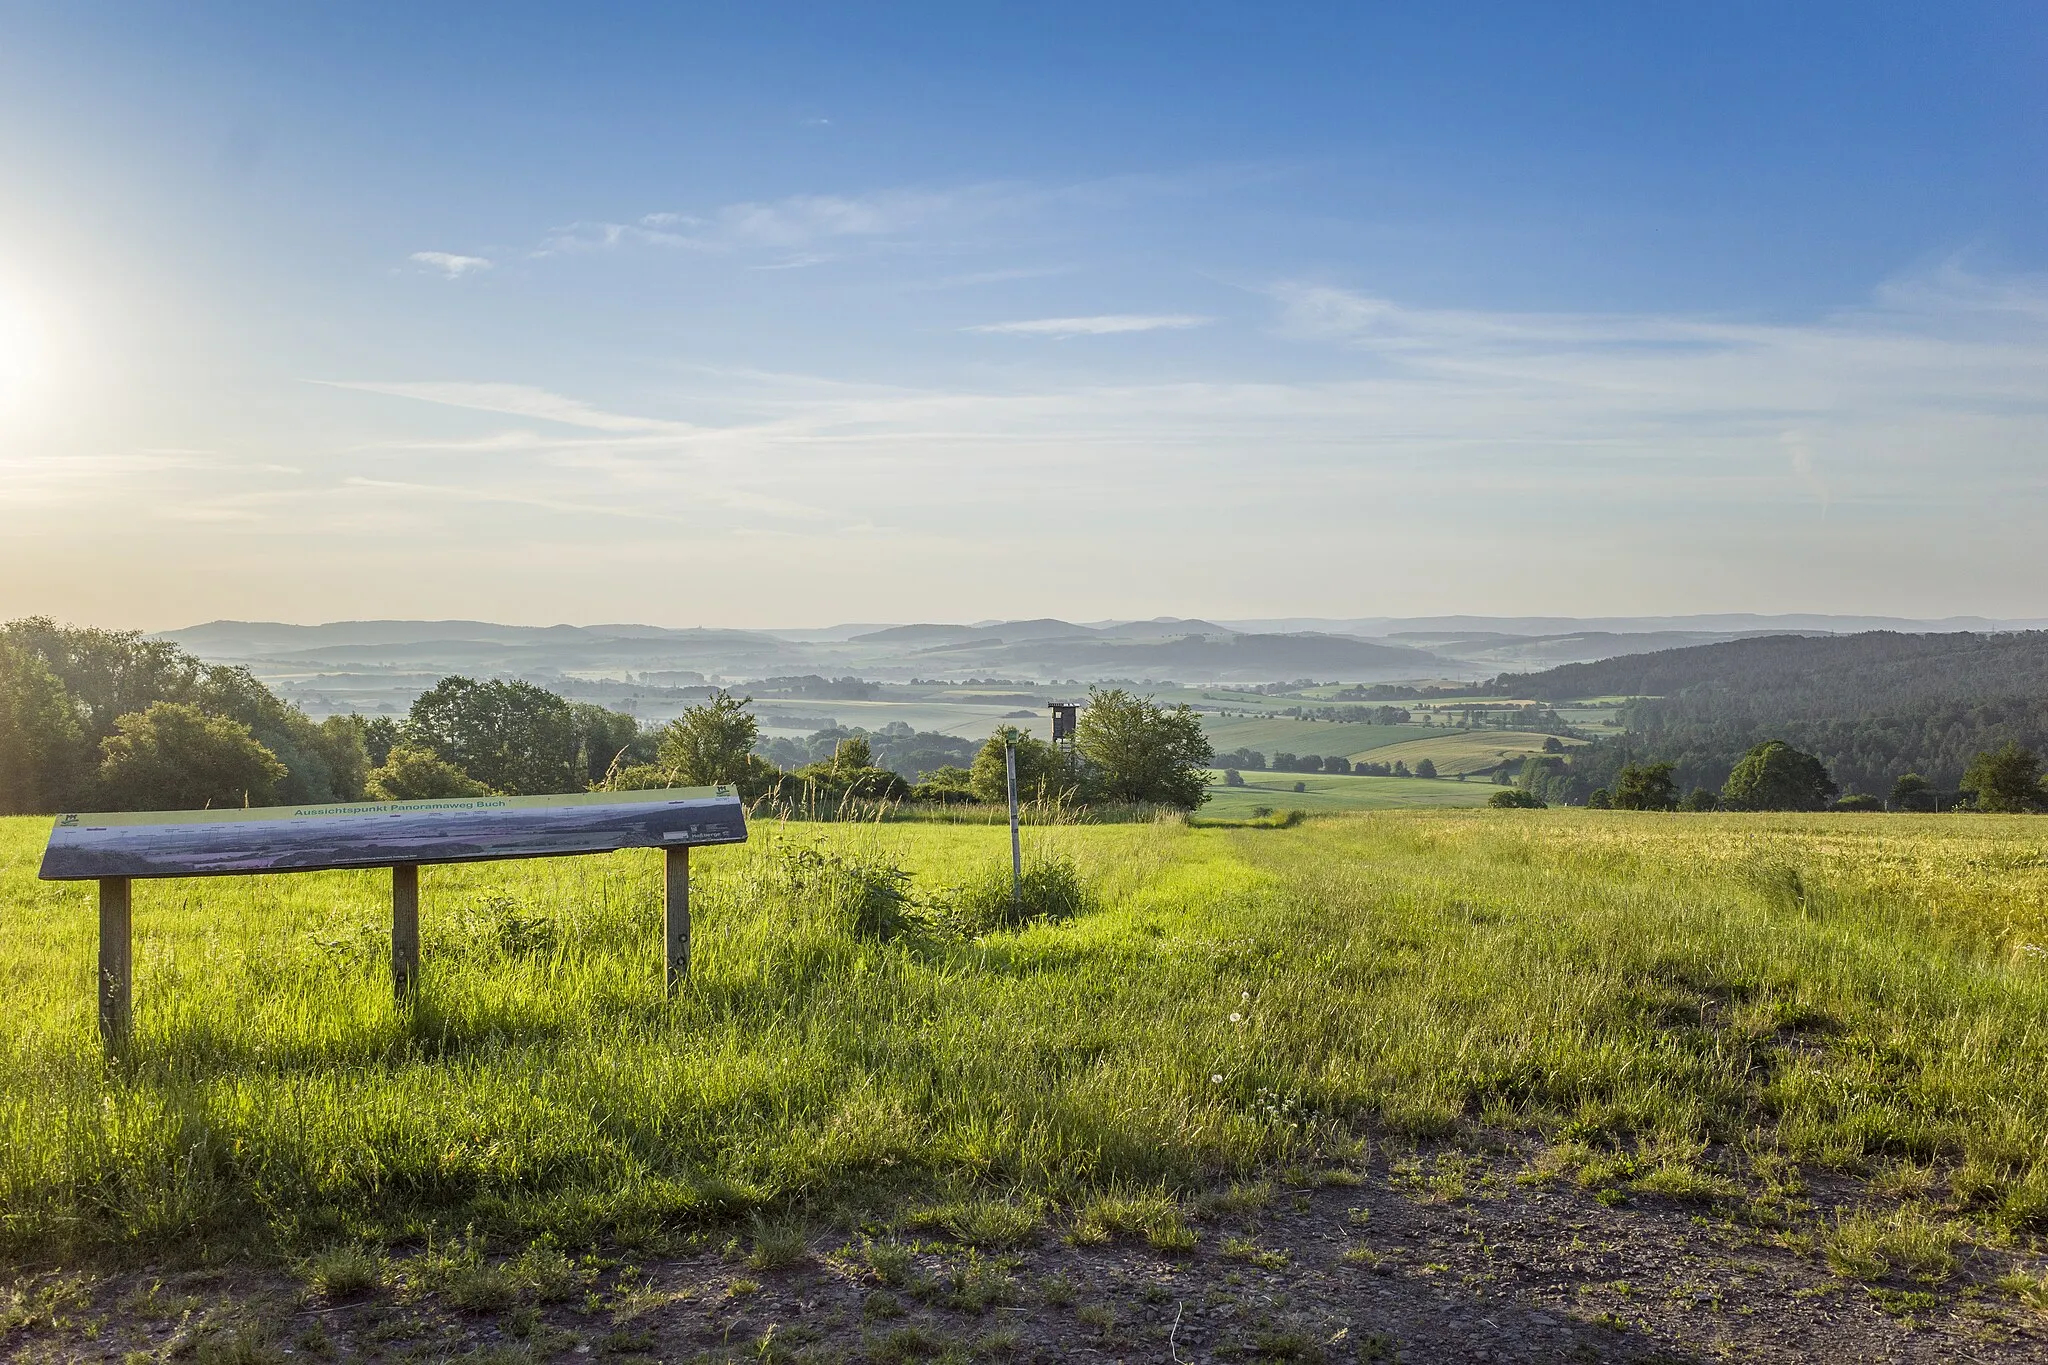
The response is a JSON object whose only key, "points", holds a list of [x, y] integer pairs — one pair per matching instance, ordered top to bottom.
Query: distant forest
{"points": [[1871, 706]]}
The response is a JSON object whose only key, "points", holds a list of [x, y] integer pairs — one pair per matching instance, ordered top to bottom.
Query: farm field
{"points": [[1286, 734], [1466, 751], [1335, 792], [1821, 1032]]}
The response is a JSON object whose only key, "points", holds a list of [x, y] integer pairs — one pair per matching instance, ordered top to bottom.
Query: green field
{"points": [[1283, 734], [1466, 751], [1327, 793], [1694, 1008]]}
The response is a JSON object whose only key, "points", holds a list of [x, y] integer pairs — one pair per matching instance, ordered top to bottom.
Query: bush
{"points": [[410, 773], [1232, 778], [1514, 798], [1699, 801], [1858, 801], [861, 887], [1051, 890]]}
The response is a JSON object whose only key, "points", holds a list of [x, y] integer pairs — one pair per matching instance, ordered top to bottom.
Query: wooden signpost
{"points": [[117, 849]]}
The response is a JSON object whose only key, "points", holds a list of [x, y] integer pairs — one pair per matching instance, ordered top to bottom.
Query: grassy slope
{"points": [[1338, 793], [1700, 999]]}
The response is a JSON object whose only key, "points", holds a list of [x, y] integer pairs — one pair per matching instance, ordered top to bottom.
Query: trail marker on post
{"points": [[117, 849]]}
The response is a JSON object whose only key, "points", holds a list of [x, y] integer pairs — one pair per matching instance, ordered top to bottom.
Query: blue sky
{"points": [[790, 314]]}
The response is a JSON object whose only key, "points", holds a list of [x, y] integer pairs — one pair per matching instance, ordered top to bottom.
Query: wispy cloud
{"points": [[796, 223], [450, 265], [1103, 324], [519, 400]]}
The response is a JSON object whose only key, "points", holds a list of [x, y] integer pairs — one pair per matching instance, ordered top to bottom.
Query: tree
{"points": [[107, 674], [39, 734], [511, 736], [604, 738], [712, 743], [1137, 750], [174, 756], [1425, 767], [410, 773], [1043, 773], [1776, 776], [1232, 778], [2007, 780], [1645, 786], [1912, 792], [1514, 798], [1599, 799], [1699, 801], [1860, 801]]}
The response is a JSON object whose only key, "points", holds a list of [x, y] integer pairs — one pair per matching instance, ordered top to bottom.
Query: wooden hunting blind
{"points": [[117, 849]]}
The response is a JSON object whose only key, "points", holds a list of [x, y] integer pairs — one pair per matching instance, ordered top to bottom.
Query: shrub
{"points": [[410, 773], [1514, 798], [1858, 801], [862, 888], [1051, 889]]}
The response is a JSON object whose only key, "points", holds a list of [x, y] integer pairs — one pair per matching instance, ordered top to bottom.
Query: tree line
{"points": [[1872, 707], [100, 719], [1776, 776]]}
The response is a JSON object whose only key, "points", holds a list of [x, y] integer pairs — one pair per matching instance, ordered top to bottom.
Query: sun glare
{"points": [[27, 357]]}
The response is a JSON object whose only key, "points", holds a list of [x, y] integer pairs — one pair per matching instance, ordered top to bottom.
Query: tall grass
{"points": [[1696, 996]]}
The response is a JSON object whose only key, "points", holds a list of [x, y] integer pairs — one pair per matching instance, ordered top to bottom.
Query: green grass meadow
{"points": [[1673, 1006]]}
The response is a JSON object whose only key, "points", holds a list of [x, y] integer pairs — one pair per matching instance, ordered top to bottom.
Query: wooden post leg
{"points": [[676, 919], [405, 928], [117, 956]]}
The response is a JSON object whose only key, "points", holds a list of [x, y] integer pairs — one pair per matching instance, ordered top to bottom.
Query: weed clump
{"points": [[861, 888], [1049, 891], [977, 1222], [1911, 1242], [344, 1273]]}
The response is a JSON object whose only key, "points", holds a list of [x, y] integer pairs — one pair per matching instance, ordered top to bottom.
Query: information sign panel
{"points": [[380, 834]]}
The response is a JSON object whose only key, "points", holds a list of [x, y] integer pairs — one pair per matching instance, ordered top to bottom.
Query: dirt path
{"points": [[1418, 1262]]}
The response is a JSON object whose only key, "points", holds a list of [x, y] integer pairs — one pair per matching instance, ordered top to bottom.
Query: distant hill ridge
{"points": [[1872, 706]]}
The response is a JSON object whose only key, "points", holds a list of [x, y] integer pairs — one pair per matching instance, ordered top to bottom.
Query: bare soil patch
{"points": [[1428, 1256]]}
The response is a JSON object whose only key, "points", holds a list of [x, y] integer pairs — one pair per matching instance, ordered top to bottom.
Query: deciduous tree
{"points": [[509, 735], [1140, 751], [175, 756], [1776, 776], [2007, 780], [1645, 786]]}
